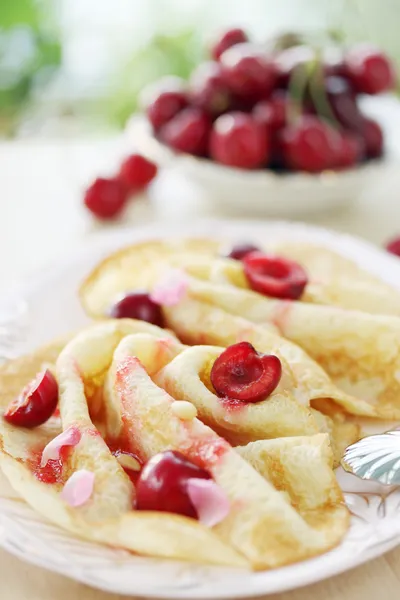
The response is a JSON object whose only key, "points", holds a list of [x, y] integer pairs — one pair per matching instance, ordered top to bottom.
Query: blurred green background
{"points": [[71, 67]]}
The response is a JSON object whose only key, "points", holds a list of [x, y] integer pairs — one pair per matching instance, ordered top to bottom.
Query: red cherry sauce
{"points": [[123, 446], [204, 451], [52, 472]]}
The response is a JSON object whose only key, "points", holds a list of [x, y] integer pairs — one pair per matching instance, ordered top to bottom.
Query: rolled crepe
{"points": [[114, 364]]}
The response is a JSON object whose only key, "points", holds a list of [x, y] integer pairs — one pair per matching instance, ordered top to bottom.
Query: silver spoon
{"points": [[375, 458]]}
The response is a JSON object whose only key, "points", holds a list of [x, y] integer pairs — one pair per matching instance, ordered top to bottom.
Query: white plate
{"points": [[48, 306]]}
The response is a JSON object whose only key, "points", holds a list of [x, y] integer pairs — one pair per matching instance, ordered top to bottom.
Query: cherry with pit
{"points": [[274, 276], [242, 374]]}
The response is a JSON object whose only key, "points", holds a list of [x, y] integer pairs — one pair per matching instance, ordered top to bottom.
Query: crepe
{"points": [[142, 265], [333, 279], [338, 281], [358, 349], [106, 376], [305, 383]]}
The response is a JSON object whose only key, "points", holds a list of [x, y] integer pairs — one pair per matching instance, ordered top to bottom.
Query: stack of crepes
{"points": [[121, 383]]}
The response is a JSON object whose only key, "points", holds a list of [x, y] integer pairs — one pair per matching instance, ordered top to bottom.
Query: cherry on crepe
{"points": [[239, 251], [274, 275], [137, 305], [241, 373], [36, 403], [162, 484]]}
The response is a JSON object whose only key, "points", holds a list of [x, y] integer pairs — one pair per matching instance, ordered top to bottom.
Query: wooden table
{"points": [[41, 217]]}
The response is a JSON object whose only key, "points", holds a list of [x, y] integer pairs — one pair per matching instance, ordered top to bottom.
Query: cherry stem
{"points": [[297, 87], [318, 92]]}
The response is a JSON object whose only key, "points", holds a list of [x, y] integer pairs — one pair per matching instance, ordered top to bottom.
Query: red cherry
{"points": [[227, 40], [296, 58], [369, 70], [248, 71], [208, 89], [343, 103], [164, 106], [272, 113], [188, 132], [373, 138], [237, 140], [309, 145], [350, 151], [137, 171], [106, 198], [394, 246], [239, 251], [274, 276], [137, 305], [241, 373], [36, 403], [162, 484]]}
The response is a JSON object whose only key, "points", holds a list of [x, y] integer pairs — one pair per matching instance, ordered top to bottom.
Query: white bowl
{"points": [[261, 192]]}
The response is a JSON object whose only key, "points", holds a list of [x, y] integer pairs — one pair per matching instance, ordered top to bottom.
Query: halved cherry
{"points": [[274, 275], [242, 373], [36, 403], [162, 484]]}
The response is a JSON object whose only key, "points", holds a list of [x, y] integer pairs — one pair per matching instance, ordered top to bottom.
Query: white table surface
{"points": [[42, 217]]}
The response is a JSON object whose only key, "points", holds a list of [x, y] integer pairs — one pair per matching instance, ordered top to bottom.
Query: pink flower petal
{"points": [[171, 288], [69, 437], [78, 488], [209, 499]]}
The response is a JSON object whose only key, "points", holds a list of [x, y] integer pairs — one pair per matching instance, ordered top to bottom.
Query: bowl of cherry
{"points": [[269, 130]]}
